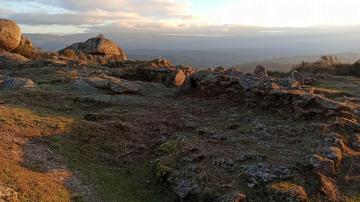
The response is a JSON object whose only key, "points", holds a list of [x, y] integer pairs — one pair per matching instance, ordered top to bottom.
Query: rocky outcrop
{"points": [[10, 35], [26, 42], [98, 49], [11, 60], [157, 70], [116, 85], [266, 92]]}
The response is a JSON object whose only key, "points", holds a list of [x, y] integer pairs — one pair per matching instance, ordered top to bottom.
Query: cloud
{"points": [[4, 12], [142, 14]]}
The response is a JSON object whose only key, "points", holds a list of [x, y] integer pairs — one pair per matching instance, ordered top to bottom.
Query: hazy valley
{"points": [[146, 101]]}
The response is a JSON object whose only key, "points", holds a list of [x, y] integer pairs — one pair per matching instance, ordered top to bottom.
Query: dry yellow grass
{"points": [[17, 126]]}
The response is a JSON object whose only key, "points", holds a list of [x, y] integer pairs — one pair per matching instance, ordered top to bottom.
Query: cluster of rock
{"points": [[11, 42], [14, 46], [97, 50], [157, 70], [133, 77], [260, 90]]}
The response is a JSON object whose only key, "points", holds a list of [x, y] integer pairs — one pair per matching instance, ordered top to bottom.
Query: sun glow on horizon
{"points": [[287, 13], [58, 16]]}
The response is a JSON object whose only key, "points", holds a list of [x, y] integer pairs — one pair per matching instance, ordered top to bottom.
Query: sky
{"points": [[176, 16]]}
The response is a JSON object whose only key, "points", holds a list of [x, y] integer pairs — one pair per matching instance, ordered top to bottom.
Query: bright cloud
{"points": [[289, 13], [135, 14], [87, 15]]}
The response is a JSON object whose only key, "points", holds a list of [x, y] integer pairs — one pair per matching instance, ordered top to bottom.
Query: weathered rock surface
{"points": [[10, 35], [26, 42], [98, 49], [11, 60], [157, 70], [260, 71], [16, 83], [116, 85], [84, 87], [270, 92], [332, 153], [322, 165], [263, 173], [186, 189], [287, 192]]}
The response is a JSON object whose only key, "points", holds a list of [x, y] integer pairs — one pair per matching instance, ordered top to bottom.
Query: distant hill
{"points": [[201, 52], [286, 63]]}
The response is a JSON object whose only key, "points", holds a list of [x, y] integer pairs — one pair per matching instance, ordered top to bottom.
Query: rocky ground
{"points": [[86, 124], [126, 132]]}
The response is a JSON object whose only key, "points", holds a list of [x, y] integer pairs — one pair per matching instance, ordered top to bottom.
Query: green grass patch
{"points": [[112, 183]]}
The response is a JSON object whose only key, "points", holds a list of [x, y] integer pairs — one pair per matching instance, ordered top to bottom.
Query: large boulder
{"points": [[10, 35], [98, 46]]}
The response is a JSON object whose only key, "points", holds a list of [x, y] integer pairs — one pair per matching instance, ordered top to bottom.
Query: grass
{"points": [[348, 85], [51, 113], [35, 116], [18, 125], [112, 183]]}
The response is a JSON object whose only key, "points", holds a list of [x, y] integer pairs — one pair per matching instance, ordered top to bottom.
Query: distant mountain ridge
{"points": [[204, 52], [286, 63]]}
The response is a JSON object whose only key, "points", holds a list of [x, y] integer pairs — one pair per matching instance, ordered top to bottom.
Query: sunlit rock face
{"points": [[10, 35], [99, 49]]}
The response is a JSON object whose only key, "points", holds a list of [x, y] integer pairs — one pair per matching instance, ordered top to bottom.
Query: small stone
{"points": [[260, 71], [298, 77], [218, 137], [355, 142], [332, 153], [252, 157], [224, 163], [322, 165], [186, 189], [240, 198]]}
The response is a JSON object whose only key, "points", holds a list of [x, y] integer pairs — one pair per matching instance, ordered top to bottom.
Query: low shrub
{"points": [[330, 65]]}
